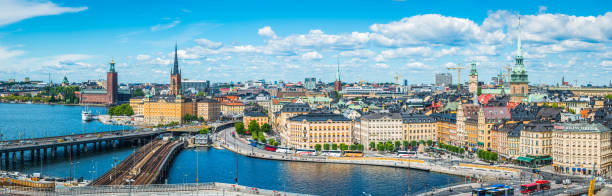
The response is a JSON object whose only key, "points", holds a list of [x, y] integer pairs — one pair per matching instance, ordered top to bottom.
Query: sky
{"points": [[239, 40]]}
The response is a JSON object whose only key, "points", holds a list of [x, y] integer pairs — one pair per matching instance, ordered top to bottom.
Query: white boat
{"points": [[86, 115]]}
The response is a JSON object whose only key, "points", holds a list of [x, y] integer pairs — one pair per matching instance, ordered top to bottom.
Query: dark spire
{"points": [[175, 70]]}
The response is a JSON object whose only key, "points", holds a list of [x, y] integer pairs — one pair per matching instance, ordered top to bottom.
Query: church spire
{"points": [[519, 47], [175, 70], [338, 71]]}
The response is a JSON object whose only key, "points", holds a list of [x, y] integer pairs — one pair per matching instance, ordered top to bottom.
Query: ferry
{"points": [[86, 115]]}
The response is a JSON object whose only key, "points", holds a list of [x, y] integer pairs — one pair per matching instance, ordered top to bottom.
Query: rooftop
{"points": [[319, 117], [581, 127]]}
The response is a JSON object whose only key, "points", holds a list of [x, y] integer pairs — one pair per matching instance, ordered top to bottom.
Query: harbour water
{"points": [[31, 120]]}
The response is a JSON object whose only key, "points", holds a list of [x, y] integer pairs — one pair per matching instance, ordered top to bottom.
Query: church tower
{"points": [[175, 75], [338, 83], [473, 83], [519, 88]]}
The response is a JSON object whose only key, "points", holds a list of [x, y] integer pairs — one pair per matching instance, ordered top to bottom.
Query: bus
{"points": [[253, 143], [270, 148], [282, 150], [331, 153], [350, 153], [402, 154], [544, 184], [529, 188], [491, 190], [481, 191], [500, 192]]}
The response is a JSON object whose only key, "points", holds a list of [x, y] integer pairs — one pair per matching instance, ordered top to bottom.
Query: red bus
{"points": [[270, 148], [544, 184], [529, 188]]}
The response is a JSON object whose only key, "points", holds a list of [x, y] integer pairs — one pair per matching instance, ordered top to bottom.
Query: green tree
{"points": [[479, 92], [138, 93], [201, 94], [609, 96], [121, 110], [253, 126], [239, 127], [266, 128], [204, 130], [254, 135], [261, 137], [271, 141], [421, 141], [429, 142], [413, 143], [398, 144], [405, 144], [326, 146], [334, 146], [372, 146], [380, 146], [389, 146], [317, 147], [343, 147], [353, 147], [360, 147]]}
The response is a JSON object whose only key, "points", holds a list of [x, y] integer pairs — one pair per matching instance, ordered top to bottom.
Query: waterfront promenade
{"points": [[473, 171]]}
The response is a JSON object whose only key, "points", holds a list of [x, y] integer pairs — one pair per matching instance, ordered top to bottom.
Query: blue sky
{"points": [[289, 40]]}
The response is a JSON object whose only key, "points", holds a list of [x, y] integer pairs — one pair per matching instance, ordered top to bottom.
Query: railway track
{"points": [[142, 167]]}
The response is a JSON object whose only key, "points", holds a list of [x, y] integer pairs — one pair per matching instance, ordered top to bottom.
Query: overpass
{"points": [[47, 147]]}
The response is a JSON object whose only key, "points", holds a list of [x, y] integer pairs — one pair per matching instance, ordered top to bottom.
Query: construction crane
{"points": [[509, 68], [458, 76], [397, 77]]}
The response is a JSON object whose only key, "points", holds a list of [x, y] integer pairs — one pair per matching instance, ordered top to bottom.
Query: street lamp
{"points": [[129, 181]]}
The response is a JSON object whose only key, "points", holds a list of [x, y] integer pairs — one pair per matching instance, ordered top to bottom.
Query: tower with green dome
{"points": [[519, 82]]}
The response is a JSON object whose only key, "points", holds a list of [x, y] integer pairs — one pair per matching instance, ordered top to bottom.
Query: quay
{"points": [[47, 147], [148, 165]]}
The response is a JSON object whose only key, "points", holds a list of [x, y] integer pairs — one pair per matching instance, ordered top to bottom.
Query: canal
{"points": [[32, 120]]}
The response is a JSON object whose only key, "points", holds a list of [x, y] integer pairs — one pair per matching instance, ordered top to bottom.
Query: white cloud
{"points": [[542, 9], [13, 11], [160, 27], [267, 32], [208, 44], [571, 46], [5, 53], [358, 53], [403, 53], [314, 55], [143, 57], [606, 63], [381, 65], [416, 65]]}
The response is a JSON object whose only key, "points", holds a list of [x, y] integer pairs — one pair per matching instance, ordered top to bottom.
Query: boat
{"points": [[86, 115]]}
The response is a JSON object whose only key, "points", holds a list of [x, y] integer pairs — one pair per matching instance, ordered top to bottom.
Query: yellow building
{"points": [[137, 105], [232, 108], [208, 109], [164, 110], [290, 110], [259, 117], [487, 117], [419, 127], [446, 127], [306, 130], [505, 139], [536, 141]]}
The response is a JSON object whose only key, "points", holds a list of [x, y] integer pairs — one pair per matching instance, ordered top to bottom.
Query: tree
{"points": [[479, 92], [138, 93], [201, 94], [609, 96], [121, 110], [253, 126], [239, 127], [266, 128], [204, 130], [254, 135], [261, 137], [271, 141], [421, 141], [429, 142], [413, 143], [398, 144], [405, 144], [326, 146], [334, 146], [343, 146], [372, 146], [380, 146], [389, 146], [317, 147], [353, 147], [360, 147]]}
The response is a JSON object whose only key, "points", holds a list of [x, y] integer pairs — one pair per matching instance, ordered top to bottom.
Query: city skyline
{"points": [[277, 42]]}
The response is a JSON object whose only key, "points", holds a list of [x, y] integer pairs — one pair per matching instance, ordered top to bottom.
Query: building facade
{"points": [[175, 76], [444, 79], [473, 82], [519, 83], [109, 96], [208, 109], [164, 110], [259, 117], [380, 127], [419, 127], [307, 130], [536, 140], [582, 148]]}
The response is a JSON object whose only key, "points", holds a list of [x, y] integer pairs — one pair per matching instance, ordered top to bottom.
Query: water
{"points": [[215, 165], [300, 177]]}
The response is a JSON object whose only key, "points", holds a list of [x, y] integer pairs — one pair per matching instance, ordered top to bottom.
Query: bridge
{"points": [[39, 148], [148, 165]]}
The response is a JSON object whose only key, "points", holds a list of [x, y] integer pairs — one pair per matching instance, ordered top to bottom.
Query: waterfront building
{"points": [[175, 75], [444, 79], [473, 82], [519, 88], [111, 95], [137, 104], [166, 109], [208, 109], [290, 110], [259, 117], [487, 117], [467, 125], [380, 127], [419, 127], [446, 127], [306, 130], [505, 139], [536, 143], [581, 147]]}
